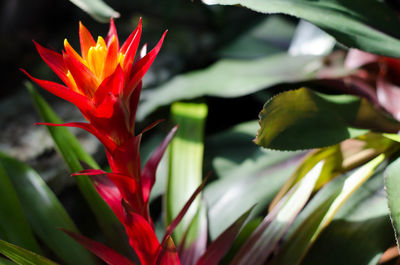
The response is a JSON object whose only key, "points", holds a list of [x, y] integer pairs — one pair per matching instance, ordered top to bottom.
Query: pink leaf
{"points": [[149, 170], [182, 213], [218, 248], [168, 254]]}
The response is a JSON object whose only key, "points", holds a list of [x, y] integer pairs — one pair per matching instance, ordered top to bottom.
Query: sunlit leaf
{"points": [[356, 23], [304, 119], [339, 159], [186, 163], [248, 175], [320, 212], [359, 233], [265, 238]]}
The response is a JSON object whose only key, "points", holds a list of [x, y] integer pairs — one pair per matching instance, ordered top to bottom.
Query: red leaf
{"points": [[112, 32], [132, 37], [86, 40], [130, 48], [56, 62], [140, 68], [86, 81], [112, 84], [82, 102], [107, 142], [149, 170], [107, 190], [182, 213], [142, 238], [218, 248], [105, 253], [168, 254]]}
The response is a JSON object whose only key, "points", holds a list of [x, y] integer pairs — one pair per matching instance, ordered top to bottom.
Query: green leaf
{"points": [[97, 9], [356, 23], [231, 78], [304, 119], [73, 154], [338, 159], [186, 165], [247, 174], [392, 186], [44, 212], [320, 212], [13, 224], [360, 232], [269, 233], [22, 256]]}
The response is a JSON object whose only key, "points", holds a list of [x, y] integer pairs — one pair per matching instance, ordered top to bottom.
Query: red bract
{"points": [[104, 83]]}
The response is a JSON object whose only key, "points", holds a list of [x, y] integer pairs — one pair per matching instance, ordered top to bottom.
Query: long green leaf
{"points": [[97, 9], [356, 23], [231, 78], [304, 119], [73, 154], [186, 163], [248, 175], [392, 185], [44, 212], [321, 212], [13, 224], [360, 232], [265, 238], [22, 256]]}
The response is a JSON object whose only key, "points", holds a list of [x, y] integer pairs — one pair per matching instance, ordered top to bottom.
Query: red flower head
{"points": [[104, 82]]}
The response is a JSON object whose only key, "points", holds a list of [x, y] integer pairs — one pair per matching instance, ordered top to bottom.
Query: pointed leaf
{"points": [[149, 170], [248, 175], [319, 217], [360, 233], [265, 238], [195, 240], [218, 248], [168, 254]]}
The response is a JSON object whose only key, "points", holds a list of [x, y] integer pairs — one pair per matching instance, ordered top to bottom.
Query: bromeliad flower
{"points": [[104, 82]]}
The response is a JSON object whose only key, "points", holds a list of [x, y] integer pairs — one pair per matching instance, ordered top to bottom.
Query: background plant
{"points": [[333, 194]]}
